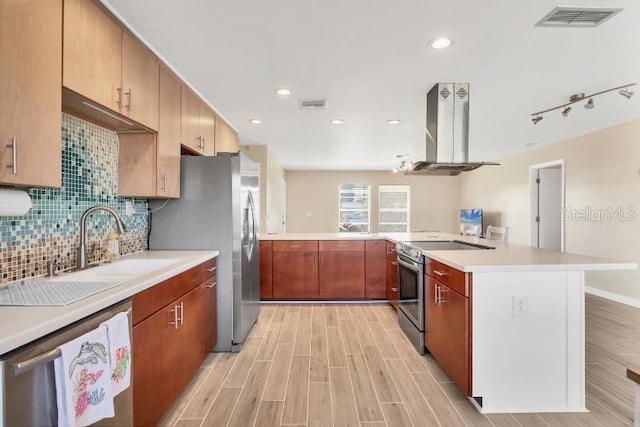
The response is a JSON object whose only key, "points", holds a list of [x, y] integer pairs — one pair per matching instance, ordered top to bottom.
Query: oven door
{"points": [[411, 290]]}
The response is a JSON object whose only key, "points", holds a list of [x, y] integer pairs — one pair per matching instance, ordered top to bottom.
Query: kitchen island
{"points": [[525, 319]]}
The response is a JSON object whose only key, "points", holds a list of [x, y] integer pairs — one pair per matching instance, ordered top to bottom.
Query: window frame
{"points": [[391, 188], [341, 190]]}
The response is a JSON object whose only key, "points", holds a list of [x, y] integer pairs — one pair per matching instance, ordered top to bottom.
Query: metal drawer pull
{"points": [[129, 96], [119, 101], [14, 155], [164, 181], [295, 246], [342, 246], [394, 263], [212, 269], [441, 273], [211, 285], [394, 289], [436, 296], [182, 313], [175, 316], [26, 366]]}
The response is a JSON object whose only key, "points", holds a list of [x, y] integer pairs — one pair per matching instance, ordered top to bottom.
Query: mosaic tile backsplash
{"points": [[51, 229]]}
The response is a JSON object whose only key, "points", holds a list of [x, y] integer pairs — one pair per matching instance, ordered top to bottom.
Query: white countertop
{"points": [[506, 257], [21, 325]]}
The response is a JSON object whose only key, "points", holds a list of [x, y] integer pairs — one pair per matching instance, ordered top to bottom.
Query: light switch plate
{"points": [[129, 208]]}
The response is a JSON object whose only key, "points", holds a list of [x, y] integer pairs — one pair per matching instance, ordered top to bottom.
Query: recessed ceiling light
{"points": [[440, 43], [283, 92], [255, 121], [337, 121], [393, 122]]}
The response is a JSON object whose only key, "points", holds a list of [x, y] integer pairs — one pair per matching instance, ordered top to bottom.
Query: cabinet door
{"points": [[92, 64], [30, 66], [140, 74], [190, 123], [208, 129], [226, 138], [168, 148], [136, 165], [266, 263], [376, 269], [295, 275], [341, 275], [392, 280], [210, 316], [433, 319], [188, 338], [152, 349], [455, 360]]}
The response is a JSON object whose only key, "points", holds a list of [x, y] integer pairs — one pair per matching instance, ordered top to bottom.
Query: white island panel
{"points": [[531, 361]]}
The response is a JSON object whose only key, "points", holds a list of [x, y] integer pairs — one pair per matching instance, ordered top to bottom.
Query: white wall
{"points": [[602, 171], [271, 178], [312, 199]]}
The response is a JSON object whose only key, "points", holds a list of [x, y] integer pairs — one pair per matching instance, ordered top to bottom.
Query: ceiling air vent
{"points": [[576, 17], [318, 104]]}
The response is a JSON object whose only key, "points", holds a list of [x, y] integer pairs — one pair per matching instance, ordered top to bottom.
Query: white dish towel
{"points": [[119, 352], [83, 380]]}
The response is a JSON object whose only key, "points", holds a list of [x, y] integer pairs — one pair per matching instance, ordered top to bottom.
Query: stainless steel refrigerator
{"points": [[218, 209]]}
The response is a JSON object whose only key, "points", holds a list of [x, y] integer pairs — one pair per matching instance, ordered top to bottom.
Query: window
{"points": [[354, 205], [393, 213]]}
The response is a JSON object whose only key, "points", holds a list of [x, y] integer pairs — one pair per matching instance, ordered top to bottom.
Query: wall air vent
{"points": [[576, 17], [318, 104]]}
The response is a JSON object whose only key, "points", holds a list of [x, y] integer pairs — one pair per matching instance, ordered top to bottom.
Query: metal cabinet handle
{"points": [[129, 97], [119, 101], [204, 142], [14, 155], [163, 186], [342, 245], [295, 246], [394, 263], [212, 269], [441, 273], [211, 285], [394, 289], [436, 296], [442, 299], [181, 313], [175, 316]]}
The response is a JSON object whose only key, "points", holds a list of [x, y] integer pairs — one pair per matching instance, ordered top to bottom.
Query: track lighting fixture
{"points": [[626, 93], [577, 97], [589, 105]]}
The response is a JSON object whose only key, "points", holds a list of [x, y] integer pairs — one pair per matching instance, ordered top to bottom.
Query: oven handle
{"points": [[413, 266]]}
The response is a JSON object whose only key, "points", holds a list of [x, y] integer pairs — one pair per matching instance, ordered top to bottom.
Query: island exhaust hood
{"points": [[447, 132]]}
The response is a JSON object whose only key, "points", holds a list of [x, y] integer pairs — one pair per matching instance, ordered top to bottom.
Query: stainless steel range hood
{"points": [[447, 132]]}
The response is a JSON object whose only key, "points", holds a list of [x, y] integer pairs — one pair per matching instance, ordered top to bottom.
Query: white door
{"points": [[547, 205]]}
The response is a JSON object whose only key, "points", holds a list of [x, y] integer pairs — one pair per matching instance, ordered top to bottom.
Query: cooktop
{"points": [[447, 245]]}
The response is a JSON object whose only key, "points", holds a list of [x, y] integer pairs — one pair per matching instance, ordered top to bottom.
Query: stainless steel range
{"points": [[411, 284]]}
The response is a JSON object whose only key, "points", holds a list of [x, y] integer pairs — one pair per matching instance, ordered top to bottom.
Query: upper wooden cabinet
{"points": [[106, 65], [30, 70], [169, 123], [198, 124], [227, 140]]}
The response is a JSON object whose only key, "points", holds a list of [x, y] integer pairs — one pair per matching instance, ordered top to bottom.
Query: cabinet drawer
{"points": [[295, 246], [342, 246], [391, 249], [208, 269], [455, 279], [151, 300]]}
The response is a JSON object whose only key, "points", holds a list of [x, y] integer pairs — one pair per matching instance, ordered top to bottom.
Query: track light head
{"points": [[626, 93], [589, 105], [566, 111], [536, 119]]}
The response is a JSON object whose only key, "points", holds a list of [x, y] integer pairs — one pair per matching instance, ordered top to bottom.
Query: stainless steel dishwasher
{"points": [[28, 385]]}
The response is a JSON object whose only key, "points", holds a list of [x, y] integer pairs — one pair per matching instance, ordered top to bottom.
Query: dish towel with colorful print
{"points": [[119, 352], [83, 380]]}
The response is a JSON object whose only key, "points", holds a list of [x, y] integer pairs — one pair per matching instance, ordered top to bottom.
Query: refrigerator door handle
{"points": [[253, 238]]}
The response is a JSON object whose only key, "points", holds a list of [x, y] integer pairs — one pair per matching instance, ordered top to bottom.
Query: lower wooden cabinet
{"points": [[266, 269], [375, 269], [295, 275], [341, 275], [392, 275], [448, 331], [169, 338]]}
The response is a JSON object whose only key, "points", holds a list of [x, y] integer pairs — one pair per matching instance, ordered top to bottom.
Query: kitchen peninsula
{"points": [[524, 317]]}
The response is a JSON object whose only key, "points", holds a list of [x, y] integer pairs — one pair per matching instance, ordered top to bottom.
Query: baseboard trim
{"points": [[613, 296]]}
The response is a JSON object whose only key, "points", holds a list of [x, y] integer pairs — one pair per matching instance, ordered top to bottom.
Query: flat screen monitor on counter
{"points": [[471, 222]]}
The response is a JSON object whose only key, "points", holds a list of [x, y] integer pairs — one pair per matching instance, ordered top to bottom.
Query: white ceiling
{"points": [[370, 60]]}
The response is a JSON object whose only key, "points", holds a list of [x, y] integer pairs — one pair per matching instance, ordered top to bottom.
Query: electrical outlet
{"points": [[129, 208], [520, 307]]}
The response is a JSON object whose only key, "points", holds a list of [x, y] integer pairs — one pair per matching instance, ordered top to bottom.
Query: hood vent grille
{"points": [[576, 17], [313, 105]]}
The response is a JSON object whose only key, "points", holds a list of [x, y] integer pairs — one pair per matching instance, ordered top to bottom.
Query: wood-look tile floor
{"points": [[350, 365]]}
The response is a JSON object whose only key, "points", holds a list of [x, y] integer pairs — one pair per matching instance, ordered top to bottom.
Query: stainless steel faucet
{"points": [[82, 250]]}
